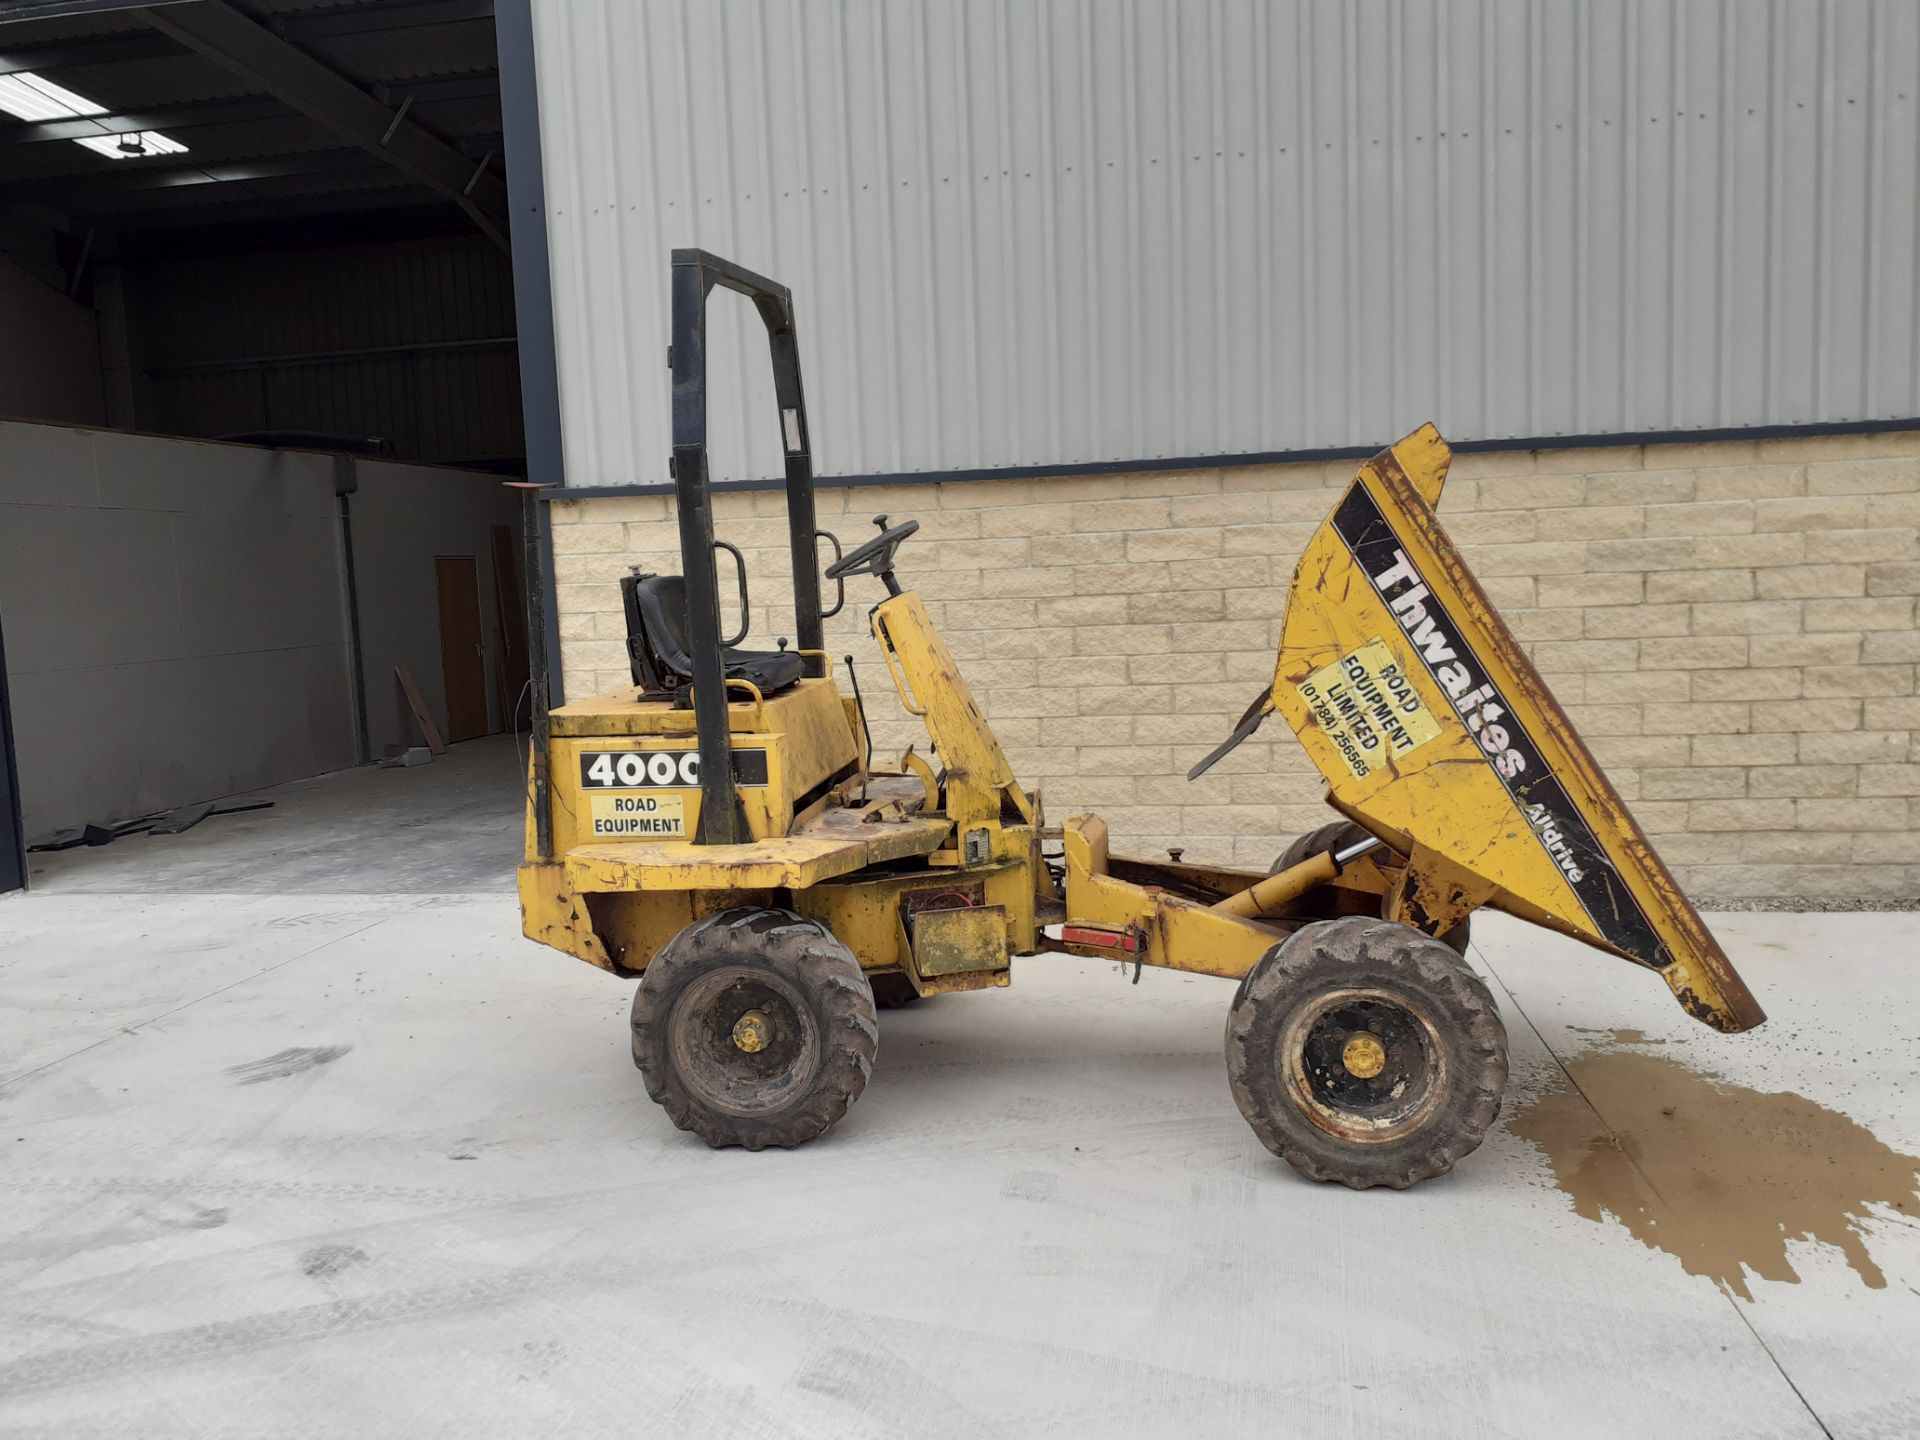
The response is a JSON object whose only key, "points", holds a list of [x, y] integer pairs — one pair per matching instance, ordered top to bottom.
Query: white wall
{"points": [[1055, 231], [49, 356], [404, 516], [173, 620], [176, 623]]}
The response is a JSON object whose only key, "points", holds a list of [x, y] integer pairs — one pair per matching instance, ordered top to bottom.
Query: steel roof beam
{"points": [[59, 9], [374, 15], [234, 42], [69, 54], [431, 89], [177, 117], [103, 188], [377, 212]]}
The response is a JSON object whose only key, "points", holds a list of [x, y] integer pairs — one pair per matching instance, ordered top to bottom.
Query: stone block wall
{"points": [[1730, 625]]}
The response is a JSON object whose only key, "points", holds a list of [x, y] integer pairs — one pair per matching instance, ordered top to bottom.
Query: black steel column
{"points": [[532, 292], [540, 778], [719, 803], [13, 844]]}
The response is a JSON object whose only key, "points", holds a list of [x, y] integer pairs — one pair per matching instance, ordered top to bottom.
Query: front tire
{"points": [[754, 1027], [1365, 1052]]}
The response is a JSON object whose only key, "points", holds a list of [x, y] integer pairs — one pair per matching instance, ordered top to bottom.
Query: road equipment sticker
{"points": [[1369, 710], [638, 817]]}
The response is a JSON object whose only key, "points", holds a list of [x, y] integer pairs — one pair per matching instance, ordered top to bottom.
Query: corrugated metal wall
{"points": [[1027, 233], [410, 339]]}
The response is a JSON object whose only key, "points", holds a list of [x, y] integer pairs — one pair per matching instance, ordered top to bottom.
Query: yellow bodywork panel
{"points": [[1433, 729], [620, 763], [979, 782], [790, 862], [869, 913], [554, 914], [1167, 930], [960, 940]]}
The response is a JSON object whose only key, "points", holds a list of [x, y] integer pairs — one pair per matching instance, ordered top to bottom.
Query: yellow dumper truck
{"points": [[722, 832]]}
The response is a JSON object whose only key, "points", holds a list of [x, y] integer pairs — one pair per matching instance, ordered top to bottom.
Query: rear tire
{"points": [[1340, 835], [754, 1027], [1364, 1052]]}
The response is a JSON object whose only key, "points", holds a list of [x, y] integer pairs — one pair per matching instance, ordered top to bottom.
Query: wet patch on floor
{"points": [[1618, 1037], [286, 1062], [1717, 1175]]}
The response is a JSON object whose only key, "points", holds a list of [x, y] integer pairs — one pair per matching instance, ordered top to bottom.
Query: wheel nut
{"points": [[751, 1032], [1363, 1055]]}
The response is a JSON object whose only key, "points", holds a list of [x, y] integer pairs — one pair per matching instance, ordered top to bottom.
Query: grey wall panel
{"points": [[1067, 231], [409, 339], [49, 356], [403, 517], [172, 623], [176, 624]]}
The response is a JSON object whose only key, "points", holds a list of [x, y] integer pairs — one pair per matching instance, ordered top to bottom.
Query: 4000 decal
{"points": [[661, 769]]}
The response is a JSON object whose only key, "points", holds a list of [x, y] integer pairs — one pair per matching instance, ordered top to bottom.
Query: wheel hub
{"points": [[752, 1031], [744, 1040], [1363, 1055], [1365, 1065]]}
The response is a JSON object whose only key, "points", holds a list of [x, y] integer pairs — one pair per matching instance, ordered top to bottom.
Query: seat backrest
{"points": [[663, 612], [657, 631], [657, 642]]}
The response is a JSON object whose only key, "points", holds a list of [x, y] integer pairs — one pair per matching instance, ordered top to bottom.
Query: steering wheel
{"points": [[876, 556]]}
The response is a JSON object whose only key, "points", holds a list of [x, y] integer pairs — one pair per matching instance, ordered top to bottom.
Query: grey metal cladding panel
{"points": [[1036, 233], [205, 308], [207, 323]]}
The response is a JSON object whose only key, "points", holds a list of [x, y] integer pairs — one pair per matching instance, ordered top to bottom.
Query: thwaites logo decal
{"points": [[661, 769], [1561, 829]]}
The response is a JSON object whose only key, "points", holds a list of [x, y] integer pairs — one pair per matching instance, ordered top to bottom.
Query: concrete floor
{"points": [[303, 1139]]}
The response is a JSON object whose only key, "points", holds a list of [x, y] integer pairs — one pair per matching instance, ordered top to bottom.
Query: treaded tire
{"points": [[1339, 836], [893, 992], [817, 1012], [1417, 1116]]}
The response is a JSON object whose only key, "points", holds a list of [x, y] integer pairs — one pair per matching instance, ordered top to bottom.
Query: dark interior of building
{"points": [[280, 226], [325, 251]]}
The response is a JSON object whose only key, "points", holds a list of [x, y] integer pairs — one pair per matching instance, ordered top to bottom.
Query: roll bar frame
{"points": [[695, 274]]}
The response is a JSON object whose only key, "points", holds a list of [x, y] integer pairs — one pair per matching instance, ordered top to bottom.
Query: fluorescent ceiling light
{"points": [[34, 97], [133, 146]]}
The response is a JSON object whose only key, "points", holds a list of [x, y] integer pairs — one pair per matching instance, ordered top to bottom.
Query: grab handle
{"points": [[740, 563], [840, 603], [895, 671]]}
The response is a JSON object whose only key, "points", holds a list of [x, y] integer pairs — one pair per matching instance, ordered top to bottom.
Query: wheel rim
{"points": [[744, 1040], [1365, 1065]]}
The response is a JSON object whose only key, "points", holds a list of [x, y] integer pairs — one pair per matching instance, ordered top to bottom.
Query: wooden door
{"points": [[463, 659]]}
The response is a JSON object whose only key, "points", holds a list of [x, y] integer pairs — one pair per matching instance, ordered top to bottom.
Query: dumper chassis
{"points": [[722, 832]]}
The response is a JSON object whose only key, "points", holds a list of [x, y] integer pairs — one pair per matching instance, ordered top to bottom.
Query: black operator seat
{"points": [[662, 662]]}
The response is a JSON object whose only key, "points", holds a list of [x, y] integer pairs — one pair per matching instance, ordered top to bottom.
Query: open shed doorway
{"points": [[259, 391]]}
